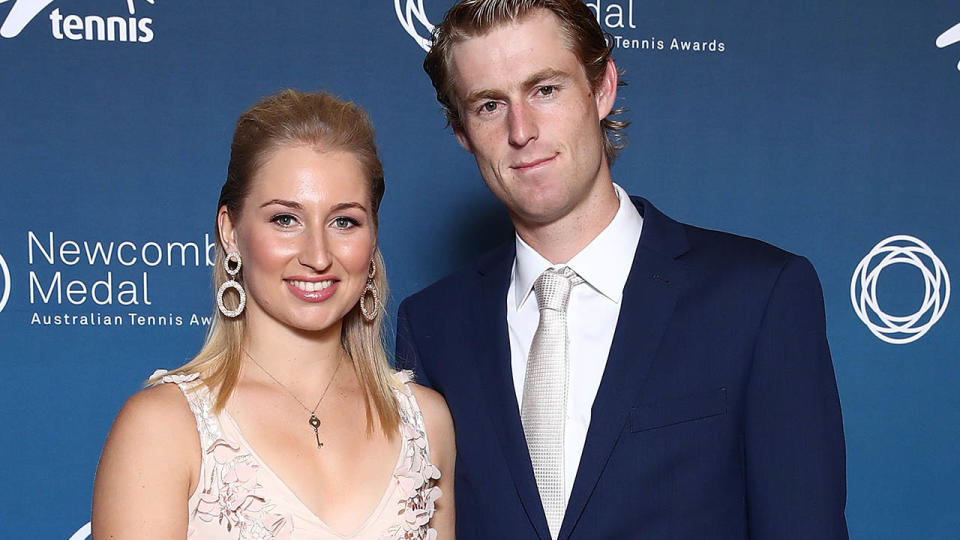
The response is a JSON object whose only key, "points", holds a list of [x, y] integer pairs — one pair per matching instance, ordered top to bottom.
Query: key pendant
{"points": [[315, 424]]}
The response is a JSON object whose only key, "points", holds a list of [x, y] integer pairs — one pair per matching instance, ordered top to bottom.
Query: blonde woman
{"points": [[289, 422]]}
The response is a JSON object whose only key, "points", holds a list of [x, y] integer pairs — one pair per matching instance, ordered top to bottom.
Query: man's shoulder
{"points": [[708, 246], [734, 247], [714, 252], [754, 264], [461, 285]]}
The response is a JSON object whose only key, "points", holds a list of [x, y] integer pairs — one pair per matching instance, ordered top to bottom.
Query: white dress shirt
{"points": [[592, 314]]}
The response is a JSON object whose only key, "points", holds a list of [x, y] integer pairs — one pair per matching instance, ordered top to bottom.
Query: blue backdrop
{"points": [[823, 127]]}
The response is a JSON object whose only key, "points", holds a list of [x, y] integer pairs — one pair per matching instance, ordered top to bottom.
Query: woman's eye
{"points": [[284, 220], [344, 222]]}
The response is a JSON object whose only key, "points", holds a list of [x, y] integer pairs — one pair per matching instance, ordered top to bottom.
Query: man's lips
{"points": [[528, 165]]}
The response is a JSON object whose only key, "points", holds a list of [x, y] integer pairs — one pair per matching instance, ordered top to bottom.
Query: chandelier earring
{"points": [[232, 264], [370, 289]]}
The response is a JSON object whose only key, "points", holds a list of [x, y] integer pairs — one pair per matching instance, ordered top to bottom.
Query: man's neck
{"points": [[558, 241]]}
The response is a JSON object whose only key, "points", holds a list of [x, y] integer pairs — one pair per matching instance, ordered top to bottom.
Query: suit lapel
{"points": [[649, 298], [493, 362]]}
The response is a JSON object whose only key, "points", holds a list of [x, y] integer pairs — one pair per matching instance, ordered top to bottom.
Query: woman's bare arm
{"points": [[443, 453], [148, 468]]}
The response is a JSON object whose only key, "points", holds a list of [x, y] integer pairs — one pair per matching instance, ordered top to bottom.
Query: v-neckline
{"points": [[377, 510]]}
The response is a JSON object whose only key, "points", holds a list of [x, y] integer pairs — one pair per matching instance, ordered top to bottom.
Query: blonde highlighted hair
{"points": [[325, 123]]}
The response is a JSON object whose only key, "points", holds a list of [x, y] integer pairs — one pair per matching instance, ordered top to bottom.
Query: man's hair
{"points": [[472, 18]]}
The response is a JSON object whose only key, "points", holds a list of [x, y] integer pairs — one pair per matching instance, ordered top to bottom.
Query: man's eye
{"points": [[546, 90], [489, 106], [284, 220], [344, 222]]}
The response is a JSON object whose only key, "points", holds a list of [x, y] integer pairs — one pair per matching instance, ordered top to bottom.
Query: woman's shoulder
{"points": [[430, 401], [161, 406], [160, 418], [436, 418], [155, 432], [442, 452], [151, 458]]}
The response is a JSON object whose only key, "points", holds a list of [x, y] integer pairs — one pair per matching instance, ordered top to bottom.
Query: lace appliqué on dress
{"points": [[200, 404], [416, 476], [230, 492], [231, 496]]}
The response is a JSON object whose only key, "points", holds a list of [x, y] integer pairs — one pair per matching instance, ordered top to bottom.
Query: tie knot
{"points": [[553, 288]]}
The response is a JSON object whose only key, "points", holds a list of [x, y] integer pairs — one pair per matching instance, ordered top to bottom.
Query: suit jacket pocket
{"points": [[677, 410]]}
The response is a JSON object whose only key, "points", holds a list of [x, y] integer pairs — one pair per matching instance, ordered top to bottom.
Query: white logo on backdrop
{"points": [[132, 9], [22, 12], [409, 12], [618, 18], [113, 29], [948, 38], [900, 249], [6, 283], [82, 533]]}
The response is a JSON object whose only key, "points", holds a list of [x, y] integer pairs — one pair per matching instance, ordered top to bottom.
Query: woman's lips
{"points": [[312, 291]]}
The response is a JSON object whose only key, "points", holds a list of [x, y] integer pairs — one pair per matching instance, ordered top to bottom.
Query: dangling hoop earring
{"points": [[232, 257], [370, 288]]}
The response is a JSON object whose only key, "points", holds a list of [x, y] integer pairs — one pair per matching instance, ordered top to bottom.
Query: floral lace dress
{"points": [[239, 497]]}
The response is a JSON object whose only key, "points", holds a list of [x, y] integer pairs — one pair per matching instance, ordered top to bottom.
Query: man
{"points": [[612, 373]]}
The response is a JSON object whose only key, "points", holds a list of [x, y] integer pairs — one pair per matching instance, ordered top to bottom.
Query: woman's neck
{"points": [[292, 356]]}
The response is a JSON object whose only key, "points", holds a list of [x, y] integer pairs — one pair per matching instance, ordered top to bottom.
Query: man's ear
{"points": [[606, 90], [462, 138], [228, 233]]}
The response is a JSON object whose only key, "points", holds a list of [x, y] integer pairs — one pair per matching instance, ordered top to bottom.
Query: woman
{"points": [[293, 422]]}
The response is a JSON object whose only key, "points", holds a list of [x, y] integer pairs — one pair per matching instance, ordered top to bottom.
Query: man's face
{"points": [[531, 118]]}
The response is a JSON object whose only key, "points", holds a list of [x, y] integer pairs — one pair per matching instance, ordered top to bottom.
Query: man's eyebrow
{"points": [[544, 75], [530, 82], [481, 95], [289, 204]]}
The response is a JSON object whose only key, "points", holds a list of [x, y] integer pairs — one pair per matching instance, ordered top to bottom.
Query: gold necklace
{"points": [[314, 421]]}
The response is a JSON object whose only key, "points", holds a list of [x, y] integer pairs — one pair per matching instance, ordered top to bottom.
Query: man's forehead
{"points": [[539, 20], [517, 46]]}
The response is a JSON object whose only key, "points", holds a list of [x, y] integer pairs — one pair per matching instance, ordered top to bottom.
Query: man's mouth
{"points": [[532, 164]]}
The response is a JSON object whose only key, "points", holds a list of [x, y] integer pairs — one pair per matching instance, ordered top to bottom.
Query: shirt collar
{"points": [[604, 263]]}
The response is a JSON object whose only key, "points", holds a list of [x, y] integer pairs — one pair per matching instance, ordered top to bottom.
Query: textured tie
{"points": [[544, 406]]}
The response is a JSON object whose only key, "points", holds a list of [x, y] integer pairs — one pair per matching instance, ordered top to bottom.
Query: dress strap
{"points": [[199, 398], [411, 417], [417, 475]]}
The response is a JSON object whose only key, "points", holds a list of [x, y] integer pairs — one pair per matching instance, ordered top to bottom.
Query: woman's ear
{"points": [[228, 234]]}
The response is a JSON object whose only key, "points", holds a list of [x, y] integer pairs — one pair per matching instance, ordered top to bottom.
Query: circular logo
{"points": [[409, 12], [5, 285], [897, 329]]}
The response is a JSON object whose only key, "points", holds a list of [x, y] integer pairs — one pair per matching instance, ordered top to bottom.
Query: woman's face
{"points": [[306, 236]]}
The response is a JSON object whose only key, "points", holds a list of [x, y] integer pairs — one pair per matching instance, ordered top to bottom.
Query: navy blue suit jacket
{"points": [[717, 415]]}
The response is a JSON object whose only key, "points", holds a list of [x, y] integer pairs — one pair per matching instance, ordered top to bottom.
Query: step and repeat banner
{"points": [[831, 129]]}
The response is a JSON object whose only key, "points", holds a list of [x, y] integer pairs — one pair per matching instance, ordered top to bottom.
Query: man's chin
{"points": [[537, 217]]}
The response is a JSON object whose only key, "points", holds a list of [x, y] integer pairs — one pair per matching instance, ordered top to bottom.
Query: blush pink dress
{"points": [[239, 497]]}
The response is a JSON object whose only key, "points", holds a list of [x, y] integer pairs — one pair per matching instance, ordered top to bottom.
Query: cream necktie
{"points": [[544, 406]]}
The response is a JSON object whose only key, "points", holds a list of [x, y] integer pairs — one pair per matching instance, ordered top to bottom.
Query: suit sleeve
{"points": [[406, 355], [794, 446]]}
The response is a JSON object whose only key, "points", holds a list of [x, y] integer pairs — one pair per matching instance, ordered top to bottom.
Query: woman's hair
{"points": [[472, 18], [325, 123]]}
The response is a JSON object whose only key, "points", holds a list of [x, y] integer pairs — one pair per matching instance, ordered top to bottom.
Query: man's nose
{"points": [[521, 124]]}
